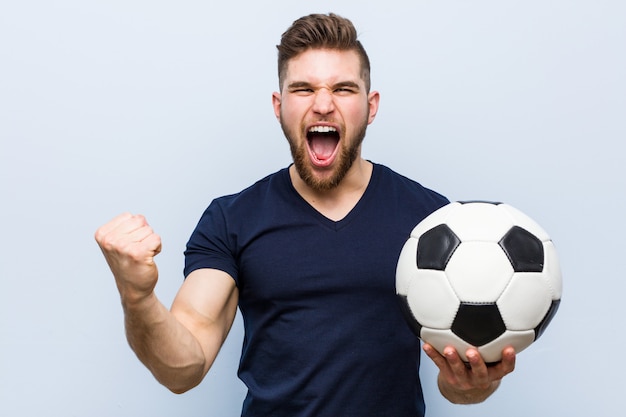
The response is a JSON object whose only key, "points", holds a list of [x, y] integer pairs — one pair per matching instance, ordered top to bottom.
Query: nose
{"points": [[323, 102]]}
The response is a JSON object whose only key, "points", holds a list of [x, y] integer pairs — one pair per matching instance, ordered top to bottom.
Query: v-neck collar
{"points": [[335, 224]]}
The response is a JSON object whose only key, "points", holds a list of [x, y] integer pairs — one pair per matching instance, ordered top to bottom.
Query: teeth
{"points": [[322, 129]]}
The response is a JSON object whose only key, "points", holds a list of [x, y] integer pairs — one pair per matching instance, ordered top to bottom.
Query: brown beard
{"points": [[347, 156]]}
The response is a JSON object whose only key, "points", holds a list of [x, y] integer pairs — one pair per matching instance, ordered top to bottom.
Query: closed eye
{"points": [[300, 88], [346, 88]]}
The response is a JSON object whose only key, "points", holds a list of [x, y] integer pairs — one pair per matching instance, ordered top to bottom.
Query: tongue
{"points": [[323, 146]]}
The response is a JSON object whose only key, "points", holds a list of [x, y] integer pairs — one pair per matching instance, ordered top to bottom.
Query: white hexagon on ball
{"points": [[479, 222], [406, 268], [479, 271], [432, 300], [525, 302]]}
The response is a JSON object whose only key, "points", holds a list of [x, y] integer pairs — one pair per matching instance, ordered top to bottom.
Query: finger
{"points": [[111, 225], [121, 225], [130, 225], [124, 229], [139, 234], [130, 235], [142, 243], [153, 244], [508, 355], [435, 356], [508, 360], [454, 361], [476, 362], [478, 366], [504, 367]]}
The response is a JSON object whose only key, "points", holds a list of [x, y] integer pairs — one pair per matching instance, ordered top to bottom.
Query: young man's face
{"points": [[324, 110]]}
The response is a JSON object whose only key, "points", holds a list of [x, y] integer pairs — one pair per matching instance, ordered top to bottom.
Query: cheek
{"points": [[355, 109], [291, 112], [356, 116]]}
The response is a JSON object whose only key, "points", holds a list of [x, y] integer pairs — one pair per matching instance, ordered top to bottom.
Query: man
{"points": [[308, 254]]}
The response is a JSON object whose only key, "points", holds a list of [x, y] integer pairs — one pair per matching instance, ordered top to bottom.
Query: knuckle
{"points": [[107, 243]]}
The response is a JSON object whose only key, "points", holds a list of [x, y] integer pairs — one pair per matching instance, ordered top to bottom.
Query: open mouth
{"points": [[322, 143]]}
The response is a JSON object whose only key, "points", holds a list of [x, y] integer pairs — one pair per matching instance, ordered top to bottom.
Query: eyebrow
{"points": [[298, 84], [304, 84], [350, 84]]}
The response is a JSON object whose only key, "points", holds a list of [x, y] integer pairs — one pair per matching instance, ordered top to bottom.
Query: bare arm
{"points": [[178, 346], [472, 383]]}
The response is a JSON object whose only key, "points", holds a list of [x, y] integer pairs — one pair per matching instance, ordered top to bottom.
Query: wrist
{"points": [[136, 300]]}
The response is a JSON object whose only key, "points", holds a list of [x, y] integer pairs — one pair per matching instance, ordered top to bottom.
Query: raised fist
{"points": [[129, 245]]}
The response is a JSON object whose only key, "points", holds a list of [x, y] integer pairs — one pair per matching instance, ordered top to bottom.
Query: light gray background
{"points": [[159, 106]]}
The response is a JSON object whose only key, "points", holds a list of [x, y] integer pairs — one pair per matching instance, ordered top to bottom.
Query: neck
{"points": [[337, 202]]}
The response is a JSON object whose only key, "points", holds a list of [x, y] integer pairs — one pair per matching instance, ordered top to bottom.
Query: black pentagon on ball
{"points": [[495, 203], [435, 247], [524, 250], [547, 319], [478, 324], [415, 326]]}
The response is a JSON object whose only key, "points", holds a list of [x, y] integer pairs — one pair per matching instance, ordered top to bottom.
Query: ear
{"points": [[373, 99], [276, 102]]}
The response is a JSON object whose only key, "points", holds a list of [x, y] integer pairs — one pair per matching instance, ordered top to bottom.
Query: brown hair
{"points": [[320, 31]]}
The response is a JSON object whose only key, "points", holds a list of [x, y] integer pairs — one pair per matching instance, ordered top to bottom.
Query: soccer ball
{"points": [[478, 274]]}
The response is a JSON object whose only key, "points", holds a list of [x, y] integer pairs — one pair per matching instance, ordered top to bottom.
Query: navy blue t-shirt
{"points": [[324, 334]]}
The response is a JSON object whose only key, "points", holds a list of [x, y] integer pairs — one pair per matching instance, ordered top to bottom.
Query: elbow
{"points": [[179, 382], [180, 387], [179, 390]]}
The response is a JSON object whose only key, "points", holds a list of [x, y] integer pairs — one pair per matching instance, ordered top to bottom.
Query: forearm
{"points": [[163, 344], [177, 346], [468, 396]]}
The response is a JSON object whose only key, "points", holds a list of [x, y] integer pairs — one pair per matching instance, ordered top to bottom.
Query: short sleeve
{"points": [[210, 245]]}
